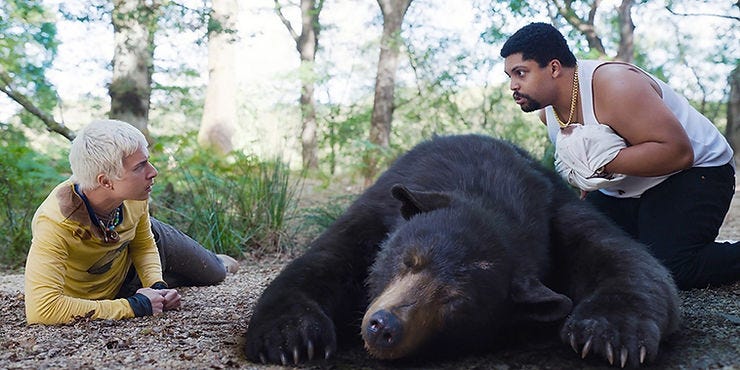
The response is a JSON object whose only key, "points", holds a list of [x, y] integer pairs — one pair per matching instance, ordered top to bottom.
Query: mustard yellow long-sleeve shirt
{"points": [[71, 270]]}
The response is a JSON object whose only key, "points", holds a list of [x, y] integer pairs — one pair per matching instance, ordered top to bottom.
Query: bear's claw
{"points": [[291, 337], [586, 338], [573, 342], [586, 348], [310, 350], [609, 353], [310, 354], [624, 356], [283, 359]]}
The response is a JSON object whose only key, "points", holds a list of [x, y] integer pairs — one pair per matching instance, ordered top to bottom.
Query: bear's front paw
{"points": [[297, 334], [623, 339]]}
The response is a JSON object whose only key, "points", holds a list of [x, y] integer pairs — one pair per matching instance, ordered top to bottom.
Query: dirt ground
{"points": [[207, 332]]}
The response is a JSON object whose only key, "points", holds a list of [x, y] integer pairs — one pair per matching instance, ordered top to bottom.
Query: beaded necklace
{"points": [[110, 224], [108, 228]]}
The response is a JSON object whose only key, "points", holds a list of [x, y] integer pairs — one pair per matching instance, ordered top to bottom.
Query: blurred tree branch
{"points": [[668, 7], [6, 86]]}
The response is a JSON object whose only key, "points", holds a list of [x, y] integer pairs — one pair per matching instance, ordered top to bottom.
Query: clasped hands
{"points": [[161, 299]]}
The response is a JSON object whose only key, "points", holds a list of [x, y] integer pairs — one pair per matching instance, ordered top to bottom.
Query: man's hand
{"points": [[161, 299], [171, 299]]}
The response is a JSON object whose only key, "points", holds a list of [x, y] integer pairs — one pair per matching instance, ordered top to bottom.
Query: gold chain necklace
{"points": [[573, 99]]}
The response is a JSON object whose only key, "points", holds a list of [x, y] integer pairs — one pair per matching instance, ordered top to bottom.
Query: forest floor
{"points": [[208, 332]]}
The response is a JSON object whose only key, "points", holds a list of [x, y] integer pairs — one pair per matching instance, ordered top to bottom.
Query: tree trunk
{"points": [[134, 23], [306, 44], [626, 50], [219, 112], [380, 122], [732, 131]]}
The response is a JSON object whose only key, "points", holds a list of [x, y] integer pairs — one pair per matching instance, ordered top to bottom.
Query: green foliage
{"points": [[506, 13], [27, 48], [437, 107], [441, 110], [344, 131], [26, 178], [229, 205], [317, 218]]}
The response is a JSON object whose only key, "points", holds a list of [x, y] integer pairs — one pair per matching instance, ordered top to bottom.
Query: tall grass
{"points": [[232, 205], [317, 218]]}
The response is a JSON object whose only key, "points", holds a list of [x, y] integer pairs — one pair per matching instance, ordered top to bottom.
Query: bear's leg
{"points": [[320, 295], [625, 301]]}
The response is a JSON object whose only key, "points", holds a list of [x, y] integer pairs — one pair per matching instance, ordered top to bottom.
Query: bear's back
{"points": [[479, 167]]}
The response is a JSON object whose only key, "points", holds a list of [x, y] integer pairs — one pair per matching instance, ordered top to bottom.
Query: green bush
{"points": [[26, 178], [230, 205], [315, 219]]}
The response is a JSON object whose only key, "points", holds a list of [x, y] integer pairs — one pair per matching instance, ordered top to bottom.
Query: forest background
{"points": [[253, 108]]}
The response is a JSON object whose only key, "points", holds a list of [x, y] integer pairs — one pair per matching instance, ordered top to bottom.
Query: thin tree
{"points": [[393, 12], [134, 24], [306, 43], [733, 105], [733, 111], [219, 112]]}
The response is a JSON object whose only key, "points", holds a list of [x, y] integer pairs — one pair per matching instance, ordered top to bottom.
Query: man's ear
{"points": [[556, 68], [104, 181], [415, 202], [535, 302]]}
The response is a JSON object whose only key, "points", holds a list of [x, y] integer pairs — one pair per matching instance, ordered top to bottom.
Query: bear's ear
{"points": [[415, 202], [536, 302]]}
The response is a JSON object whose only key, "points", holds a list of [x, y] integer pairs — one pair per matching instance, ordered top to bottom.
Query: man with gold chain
{"points": [[635, 148]]}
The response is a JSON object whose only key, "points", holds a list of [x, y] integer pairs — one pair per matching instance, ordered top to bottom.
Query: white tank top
{"points": [[710, 146]]}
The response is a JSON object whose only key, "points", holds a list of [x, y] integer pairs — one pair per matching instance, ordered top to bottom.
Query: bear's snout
{"points": [[403, 317], [384, 330]]}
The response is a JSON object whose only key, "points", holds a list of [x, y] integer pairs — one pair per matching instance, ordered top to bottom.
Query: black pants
{"points": [[679, 220], [184, 261]]}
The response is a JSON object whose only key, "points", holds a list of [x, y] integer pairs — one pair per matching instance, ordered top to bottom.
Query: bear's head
{"points": [[448, 271]]}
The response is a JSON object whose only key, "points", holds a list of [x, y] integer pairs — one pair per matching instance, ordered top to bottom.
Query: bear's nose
{"points": [[384, 330]]}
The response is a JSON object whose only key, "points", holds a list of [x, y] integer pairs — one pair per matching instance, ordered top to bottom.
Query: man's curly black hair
{"points": [[541, 42]]}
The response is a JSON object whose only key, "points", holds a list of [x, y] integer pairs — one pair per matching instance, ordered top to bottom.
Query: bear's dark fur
{"points": [[463, 237]]}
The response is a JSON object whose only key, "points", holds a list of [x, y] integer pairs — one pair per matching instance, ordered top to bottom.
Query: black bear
{"points": [[461, 238]]}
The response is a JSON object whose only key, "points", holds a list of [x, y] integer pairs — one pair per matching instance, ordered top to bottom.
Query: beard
{"points": [[530, 105]]}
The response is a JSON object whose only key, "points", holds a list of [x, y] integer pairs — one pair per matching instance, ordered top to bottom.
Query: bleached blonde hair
{"points": [[99, 148]]}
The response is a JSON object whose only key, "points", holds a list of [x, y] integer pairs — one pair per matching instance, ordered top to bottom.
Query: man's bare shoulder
{"points": [[623, 77], [620, 92]]}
